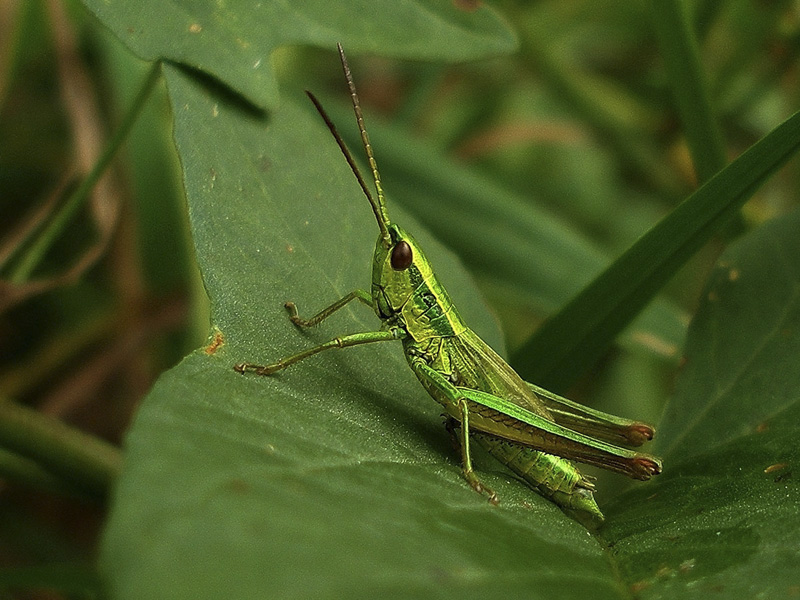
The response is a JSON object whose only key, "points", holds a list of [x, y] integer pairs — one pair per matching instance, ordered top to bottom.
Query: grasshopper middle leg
{"points": [[359, 295], [447, 394]]}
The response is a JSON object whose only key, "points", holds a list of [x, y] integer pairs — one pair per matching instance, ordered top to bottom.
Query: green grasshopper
{"points": [[532, 431]]}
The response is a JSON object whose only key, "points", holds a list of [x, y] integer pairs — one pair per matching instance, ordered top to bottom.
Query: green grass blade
{"points": [[689, 87], [55, 227], [567, 344], [64, 451]]}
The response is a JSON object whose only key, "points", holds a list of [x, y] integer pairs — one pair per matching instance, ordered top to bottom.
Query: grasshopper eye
{"points": [[402, 256]]}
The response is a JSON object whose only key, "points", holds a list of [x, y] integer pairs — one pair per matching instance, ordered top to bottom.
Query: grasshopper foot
{"points": [[291, 308], [264, 370], [476, 485]]}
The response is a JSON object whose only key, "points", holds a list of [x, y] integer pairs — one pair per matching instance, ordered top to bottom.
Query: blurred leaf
{"points": [[232, 41], [565, 51], [154, 171], [567, 344], [723, 519], [79, 581]]}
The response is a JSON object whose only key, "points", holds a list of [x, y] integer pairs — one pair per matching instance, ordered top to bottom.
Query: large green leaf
{"points": [[233, 40], [335, 477], [723, 519]]}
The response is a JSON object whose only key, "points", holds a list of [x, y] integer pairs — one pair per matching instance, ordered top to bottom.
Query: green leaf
{"points": [[232, 41], [567, 344], [740, 366], [335, 477], [723, 518]]}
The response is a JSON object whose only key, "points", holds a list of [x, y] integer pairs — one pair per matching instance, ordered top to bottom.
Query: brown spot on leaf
{"points": [[217, 341], [775, 467], [238, 486], [639, 586]]}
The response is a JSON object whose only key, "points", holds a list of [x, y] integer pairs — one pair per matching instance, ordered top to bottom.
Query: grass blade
{"points": [[572, 340]]}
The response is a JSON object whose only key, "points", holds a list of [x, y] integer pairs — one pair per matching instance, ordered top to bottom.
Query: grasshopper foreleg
{"points": [[359, 295], [344, 341], [453, 401]]}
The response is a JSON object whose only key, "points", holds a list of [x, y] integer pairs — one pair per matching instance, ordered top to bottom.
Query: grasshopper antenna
{"points": [[345, 150], [378, 205], [380, 208]]}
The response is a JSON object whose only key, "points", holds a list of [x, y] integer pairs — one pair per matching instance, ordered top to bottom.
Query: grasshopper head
{"points": [[397, 270]]}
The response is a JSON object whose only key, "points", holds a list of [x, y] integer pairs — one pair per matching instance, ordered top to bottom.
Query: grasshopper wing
{"points": [[474, 365], [593, 423]]}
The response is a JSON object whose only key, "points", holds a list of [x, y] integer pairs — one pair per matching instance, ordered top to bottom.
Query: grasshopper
{"points": [[535, 433]]}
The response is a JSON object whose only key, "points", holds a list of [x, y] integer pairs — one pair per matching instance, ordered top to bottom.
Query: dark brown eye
{"points": [[402, 256]]}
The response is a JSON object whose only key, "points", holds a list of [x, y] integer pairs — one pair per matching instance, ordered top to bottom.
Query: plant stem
{"points": [[78, 197], [78, 458], [14, 467]]}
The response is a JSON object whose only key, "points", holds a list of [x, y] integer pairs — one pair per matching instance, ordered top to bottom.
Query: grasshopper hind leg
{"points": [[444, 392], [448, 396], [460, 436]]}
